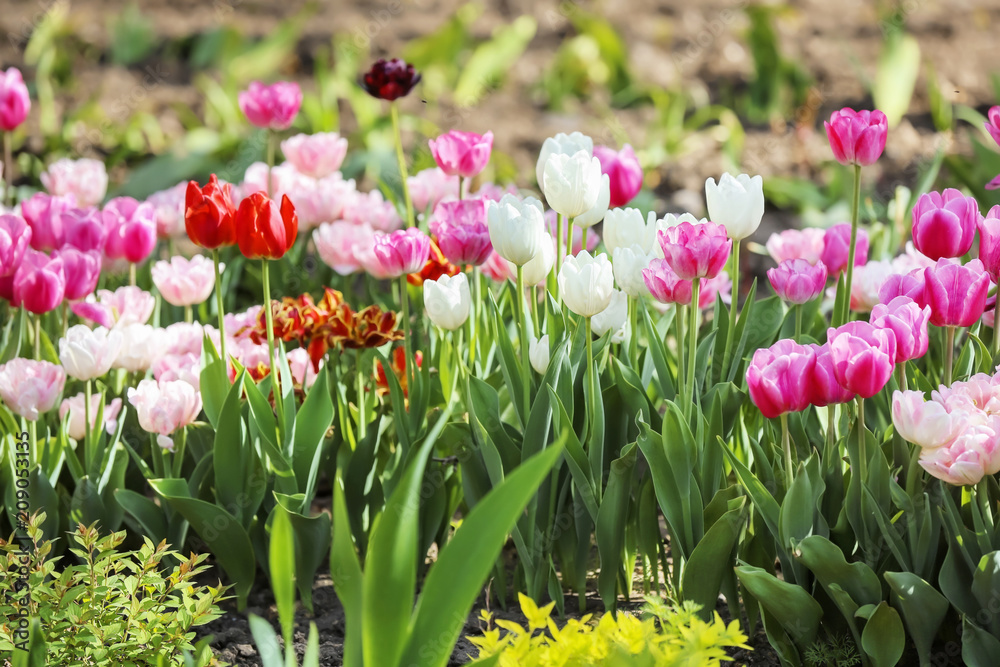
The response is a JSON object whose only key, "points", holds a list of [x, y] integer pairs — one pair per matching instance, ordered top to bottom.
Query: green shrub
{"points": [[111, 608], [665, 637]]}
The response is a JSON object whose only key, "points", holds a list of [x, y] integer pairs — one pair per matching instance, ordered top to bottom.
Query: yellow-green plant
{"points": [[665, 637]]}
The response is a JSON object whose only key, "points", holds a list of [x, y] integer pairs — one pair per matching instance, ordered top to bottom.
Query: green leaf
{"points": [[492, 59], [13, 334], [214, 382], [311, 424], [229, 450], [145, 512], [612, 518], [711, 560], [826, 560], [282, 564], [345, 570], [455, 581], [790, 605], [923, 609], [883, 638], [266, 640], [979, 648], [37, 651]]}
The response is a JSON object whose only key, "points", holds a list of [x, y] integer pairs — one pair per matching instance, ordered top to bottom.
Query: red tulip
{"points": [[209, 214], [263, 230]]}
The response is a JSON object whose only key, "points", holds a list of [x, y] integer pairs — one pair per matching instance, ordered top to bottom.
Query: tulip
{"points": [[390, 80], [14, 100], [271, 107], [992, 125], [857, 137], [561, 144], [463, 154], [315, 155], [624, 171], [85, 179], [572, 183], [430, 187], [736, 203], [169, 206], [374, 210], [596, 213], [44, 214], [209, 214], [944, 224], [626, 227], [516, 228], [84, 229], [131, 229], [263, 230], [462, 232], [15, 236], [989, 241], [339, 242], [804, 244], [836, 248], [695, 251], [402, 252], [629, 263], [496, 268], [82, 270], [536, 271], [797, 281], [184, 282], [39, 283], [586, 283], [665, 285], [910, 285], [866, 288], [956, 293], [448, 301], [126, 305], [614, 318], [908, 322], [141, 346], [88, 353], [538, 354], [863, 357], [184, 367], [778, 378], [30, 387], [823, 388], [164, 407], [72, 411], [927, 424], [974, 454]]}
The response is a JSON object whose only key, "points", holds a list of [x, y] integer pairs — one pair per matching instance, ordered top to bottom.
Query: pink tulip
{"points": [[14, 100], [271, 107], [993, 124], [857, 137], [462, 154], [315, 155], [624, 172], [85, 179], [285, 180], [430, 187], [492, 192], [323, 200], [169, 206], [372, 209], [45, 215], [944, 224], [131, 228], [84, 229], [461, 231], [15, 235], [989, 241], [338, 244], [804, 244], [836, 248], [695, 251], [402, 252], [496, 268], [81, 269], [797, 281], [185, 282], [39, 283], [903, 284], [665, 285], [719, 286], [866, 288], [956, 293], [126, 305], [908, 322], [185, 338], [863, 357], [184, 367], [301, 367], [778, 378], [30, 387], [823, 388], [165, 407], [72, 410], [927, 424], [974, 454]]}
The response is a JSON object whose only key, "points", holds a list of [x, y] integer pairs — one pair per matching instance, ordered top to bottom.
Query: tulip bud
{"points": [[390, 79], [14, 100], [271, 107], [857, 137], [561, 144], [462, 154], [316, 155], [624, 171], [572, 183], [736, 203], [597, 212], [44, 214], [209, 214], [944, 224], [515, 227], [626, 227], [84, 229], [131, 229], [263, 230], [462, 234], [989, 241], [340, 243], [804, 244], [836, 248], [695, 251], [402, 252], [628, 264], [82, 270], [536, 271], [797, 281], [185, 282], [39, 283], [586, 283], [665, 285], [955, 293], [448, 301], [613, 318], [908, 322], [88, 353], [538, 353], [863, 357], [777, 378], [823, 388], [164, 407], [72, 410]]}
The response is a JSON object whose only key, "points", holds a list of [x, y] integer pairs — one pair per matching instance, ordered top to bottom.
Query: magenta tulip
{"points": [[14, 100], [271, 107], [993, 123], [857, 137], [462, 154], [624, 172], [45, 215], [944, 224], [84, 229], [131, 229], [461, 231], [15, 235], [989, 241], [836, 248], [695, 251], [401, 252], [82, 271], [797, 281], [39, 283], [903, 284], [665, 285], [956, 293], [908, 322], [863, 357], [778, 378], [30, 387], [823, 387]]}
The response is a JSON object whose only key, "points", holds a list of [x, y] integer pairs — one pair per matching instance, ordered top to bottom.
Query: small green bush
{"points": [[111, 608], [665, 637]]}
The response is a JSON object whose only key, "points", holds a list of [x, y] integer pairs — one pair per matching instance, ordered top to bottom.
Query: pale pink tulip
{"points": [[315, 155], [85, 179], [185, 282], [30, 387], [165, 407], [72, 410]]}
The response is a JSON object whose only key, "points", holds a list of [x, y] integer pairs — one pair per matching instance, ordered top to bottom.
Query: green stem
{"points": [[401, 157], [270, 160], [8, 168], [461, 182], [855, 213], [560, 225], [569, 238], [131, 274], [404, 299], [734, 304], [219, 307], [188, 314], [679, 314], [473, 316], [65, 318], [535, 321], [798, 322], [996, 328], [38, 336], [633, 338], [692, 344], [949, 353], [525, 363], [590, 371], [275, 374], [901, 376], [86, 416], [362, 419], [831, 433], [33, 440], [862, 441], [179, 446], [786, 446]]}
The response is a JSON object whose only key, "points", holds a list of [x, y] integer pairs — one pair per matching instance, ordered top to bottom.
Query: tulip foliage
{"points": [[449, 366]]}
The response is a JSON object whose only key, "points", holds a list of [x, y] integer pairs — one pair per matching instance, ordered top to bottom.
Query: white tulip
{"points": [[566, 144], [572, 183], [736, 203], [600, 209], [671, 220], [515, 227], [624, 227], [628, 265], [537, 269], [586, 283], [448, 300], [614, 317], [141, 346], [88, 353], [538, 353]]}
